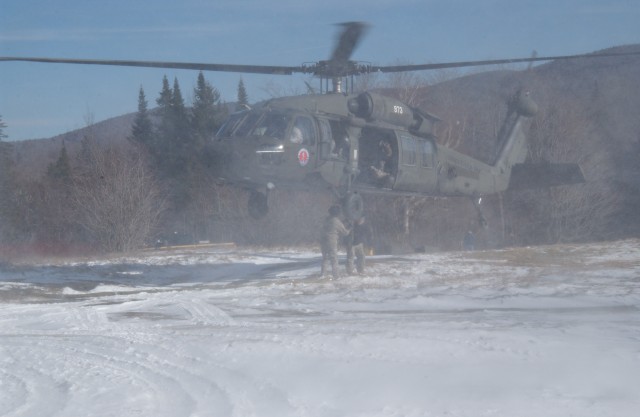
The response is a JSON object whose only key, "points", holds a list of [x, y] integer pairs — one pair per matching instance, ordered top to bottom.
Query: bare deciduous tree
{"points": [[117, 200], [583, 212]]}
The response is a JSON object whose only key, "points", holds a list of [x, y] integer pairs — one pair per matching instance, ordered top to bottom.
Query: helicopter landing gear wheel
{"points": [[353, 206], [258, 207]]}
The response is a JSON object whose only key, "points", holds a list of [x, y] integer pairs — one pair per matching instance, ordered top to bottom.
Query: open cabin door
{"points": [[378, 158]]}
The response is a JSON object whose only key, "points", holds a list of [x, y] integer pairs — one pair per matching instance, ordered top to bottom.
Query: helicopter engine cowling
{"points": [[375, 107]]}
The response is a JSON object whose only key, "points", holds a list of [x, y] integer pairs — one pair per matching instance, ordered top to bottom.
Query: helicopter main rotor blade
{"points": [[348, 40], [462, 64], [338, 66], [255, 69]]}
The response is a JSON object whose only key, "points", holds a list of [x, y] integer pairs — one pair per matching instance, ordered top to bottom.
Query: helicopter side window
{"points": [[303, 131], [325, 137], [341, 140], [408, 150], [427, 154]]}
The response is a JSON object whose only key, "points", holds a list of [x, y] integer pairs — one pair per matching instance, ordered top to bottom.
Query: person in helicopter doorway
{"points": [[382, 171], [332, 230], [357, 242]]}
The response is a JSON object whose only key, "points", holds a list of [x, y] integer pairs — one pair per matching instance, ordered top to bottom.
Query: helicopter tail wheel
{"points": [[353, 206], [258, 207]]}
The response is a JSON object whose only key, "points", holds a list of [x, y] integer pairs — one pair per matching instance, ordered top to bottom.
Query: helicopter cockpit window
{"points": [[247, 124], [273, 125], [226, 130], [303, 131]]}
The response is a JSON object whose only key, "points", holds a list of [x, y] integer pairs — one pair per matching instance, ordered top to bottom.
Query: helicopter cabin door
{"points": [[300, 148], [334, 149]]}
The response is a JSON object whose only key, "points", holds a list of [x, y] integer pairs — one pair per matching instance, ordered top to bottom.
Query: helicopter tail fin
{"points": [[512, 144], [544, 175]]}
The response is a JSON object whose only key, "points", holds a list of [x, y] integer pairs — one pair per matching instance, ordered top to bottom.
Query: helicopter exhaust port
{"points": [[524, 105]]}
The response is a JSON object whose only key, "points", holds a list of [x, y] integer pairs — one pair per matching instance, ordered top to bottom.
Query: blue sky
{"points": [[42, 100]]}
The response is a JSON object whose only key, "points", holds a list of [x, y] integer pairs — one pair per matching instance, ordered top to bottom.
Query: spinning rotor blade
{"points": [[348, 40], [462, 64], [339, 65], [256, 69]]}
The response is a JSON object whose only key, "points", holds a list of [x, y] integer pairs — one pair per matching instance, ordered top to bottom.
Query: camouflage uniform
{"points": [[331, 232]]}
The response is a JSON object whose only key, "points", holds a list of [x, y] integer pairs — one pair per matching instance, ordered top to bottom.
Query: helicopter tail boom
{"points": [[545, 175]]}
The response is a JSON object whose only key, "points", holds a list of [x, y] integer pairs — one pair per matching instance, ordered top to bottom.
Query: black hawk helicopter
{"points": [[359, 143]]}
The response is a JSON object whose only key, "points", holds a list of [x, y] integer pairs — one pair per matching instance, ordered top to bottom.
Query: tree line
{"points": [[116, 195]]}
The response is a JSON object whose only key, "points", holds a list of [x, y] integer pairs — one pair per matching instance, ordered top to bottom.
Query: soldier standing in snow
{"points": [[332, 230]]}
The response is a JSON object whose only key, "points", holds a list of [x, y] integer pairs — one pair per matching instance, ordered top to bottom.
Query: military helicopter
{"points": [[360, 143]]}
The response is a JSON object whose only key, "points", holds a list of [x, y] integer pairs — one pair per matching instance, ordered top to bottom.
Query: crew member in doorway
{"points": [[382, 171], [332, 230], [357, 243]]}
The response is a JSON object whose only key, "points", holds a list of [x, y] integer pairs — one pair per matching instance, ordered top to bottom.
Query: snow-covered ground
{"points": [[547, 331]]}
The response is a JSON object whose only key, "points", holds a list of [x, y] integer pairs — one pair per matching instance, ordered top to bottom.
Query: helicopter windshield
{"points": [[230, 124], [247, 124], [273, 125]]}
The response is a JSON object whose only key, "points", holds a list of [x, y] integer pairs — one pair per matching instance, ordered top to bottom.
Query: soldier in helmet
{"points": [[332, 230]]}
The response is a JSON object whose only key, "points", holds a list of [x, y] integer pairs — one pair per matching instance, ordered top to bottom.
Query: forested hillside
{"points": [[61, 193]]}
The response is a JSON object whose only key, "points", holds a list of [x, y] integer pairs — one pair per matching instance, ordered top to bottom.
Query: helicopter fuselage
{"points": [[365, 143]]}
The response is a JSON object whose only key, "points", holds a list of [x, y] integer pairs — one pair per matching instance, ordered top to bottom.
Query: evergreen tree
{"points": [[243, 98], [164, 101], [203, 119], [166, 121], [2, 126], [182, 130], [142, 131], [165, 138], [5, 148], [5, 151], [174, 151], [6, 161], [61, 169], [7, 186]]}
